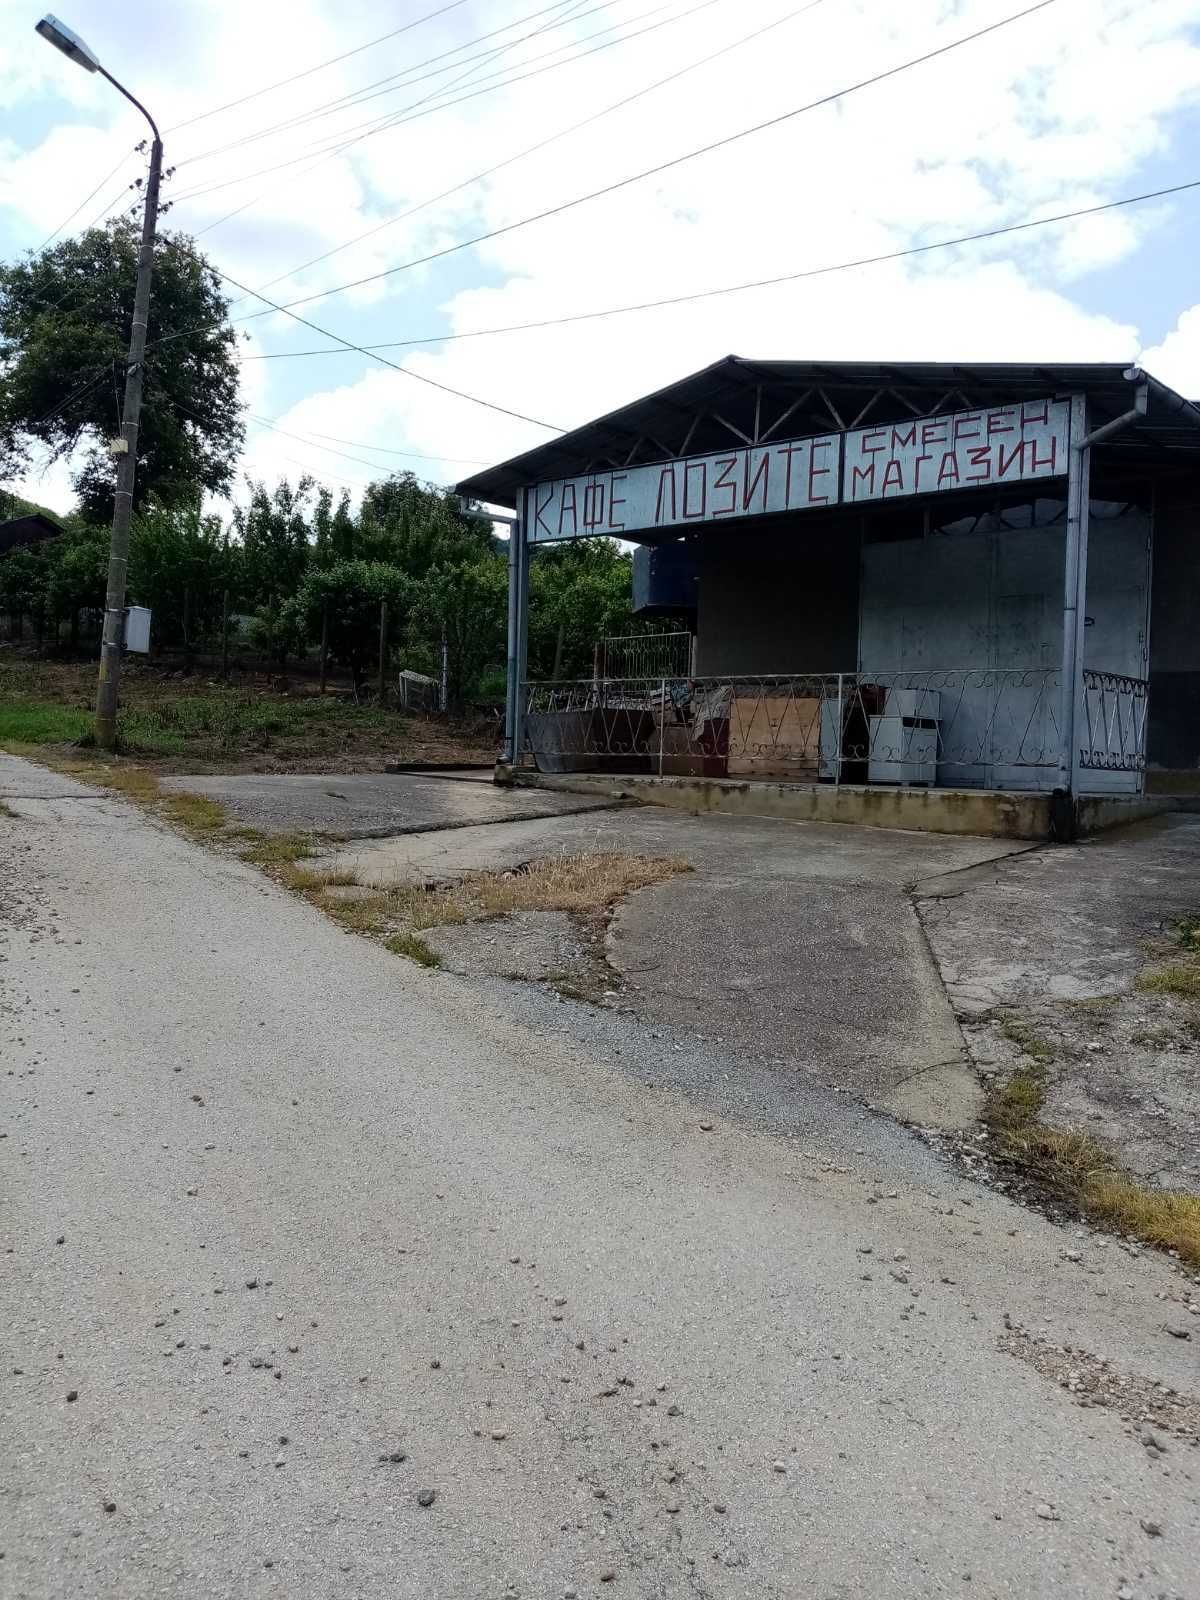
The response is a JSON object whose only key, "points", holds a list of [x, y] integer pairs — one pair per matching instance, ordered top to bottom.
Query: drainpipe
{"points": [[1075, 575]]}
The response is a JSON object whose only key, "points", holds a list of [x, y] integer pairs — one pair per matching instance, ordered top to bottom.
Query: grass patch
{"points": [[42, 722], [177, 722], [134, 782], [6, 810], [196, 812], [279, 849], [305, 881], [584, 885], [371, 915], [1188, 934], [414, 947], [1181, 979], [1023, 1036], [1082, 1171], [1169, 1220]]}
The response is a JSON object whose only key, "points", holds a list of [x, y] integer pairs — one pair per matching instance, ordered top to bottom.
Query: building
{"points": [[32, 528], [932, 576]]}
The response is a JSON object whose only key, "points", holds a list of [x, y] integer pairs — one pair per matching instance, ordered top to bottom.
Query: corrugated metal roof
{"points": [[735, 392]]}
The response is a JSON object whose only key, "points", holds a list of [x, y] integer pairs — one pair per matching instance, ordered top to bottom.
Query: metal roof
{"points": [[739, 398]]}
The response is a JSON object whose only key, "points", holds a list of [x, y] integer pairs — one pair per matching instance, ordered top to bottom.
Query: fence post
{"points": [[187, 625], [383, 625], [225, 636], [324, 641], [445, 673], [662, 722], [837, 749]]}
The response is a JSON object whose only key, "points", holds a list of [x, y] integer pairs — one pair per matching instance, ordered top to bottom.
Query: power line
{"points": [[573, 6], [320, 67], [359, 96], [397, 118], [552, 138], [666, 166], [107, 179], [756, 283], [433, 383], [312, 438]]}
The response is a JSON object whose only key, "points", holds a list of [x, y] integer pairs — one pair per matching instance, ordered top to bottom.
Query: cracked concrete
{"points": [[1055, 939], [794, 944]]}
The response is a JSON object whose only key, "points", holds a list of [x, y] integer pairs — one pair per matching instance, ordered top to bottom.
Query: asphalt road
{"points": [[277, 1205]]}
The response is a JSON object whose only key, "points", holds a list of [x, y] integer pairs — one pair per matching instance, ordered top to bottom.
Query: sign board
{"points": [[1008, 444], [961, 450], [753, 481]]}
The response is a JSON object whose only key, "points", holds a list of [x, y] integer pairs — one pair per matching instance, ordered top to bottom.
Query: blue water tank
{"points": [[665, 579]]}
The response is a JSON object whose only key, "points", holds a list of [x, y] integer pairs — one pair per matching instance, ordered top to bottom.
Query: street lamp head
{"points": [[68, 41]]}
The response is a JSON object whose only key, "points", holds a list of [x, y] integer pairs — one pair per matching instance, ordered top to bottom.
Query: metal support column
{"points": [[522, 533], [1074, 590], [511, 684]]}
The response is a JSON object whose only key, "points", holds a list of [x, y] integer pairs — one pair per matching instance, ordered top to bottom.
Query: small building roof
{"points": [[739, 398], [30, 529]]}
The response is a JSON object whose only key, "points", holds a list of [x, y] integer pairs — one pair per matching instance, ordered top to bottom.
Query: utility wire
{"points": [[573, 6], [355, 97], [229, 105], [397, 118], [541, 144], [666, 166], [104, 182], [756, 283], [461, 394], [311, 439]]}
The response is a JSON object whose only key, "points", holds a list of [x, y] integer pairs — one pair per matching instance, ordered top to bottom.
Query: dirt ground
{"points": [[179, 721]]}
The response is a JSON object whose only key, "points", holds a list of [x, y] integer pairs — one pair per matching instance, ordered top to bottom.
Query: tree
{"points": [[65, 317], [416, 527], [273, 530], [180, 564], [579, 593], [349, 594], [464, 605]]}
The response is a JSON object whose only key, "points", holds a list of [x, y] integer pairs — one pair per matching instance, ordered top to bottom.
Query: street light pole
{"points": [[125, 448]]}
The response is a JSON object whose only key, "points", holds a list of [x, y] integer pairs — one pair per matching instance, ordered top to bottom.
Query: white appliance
{"points": [[904, 739]]}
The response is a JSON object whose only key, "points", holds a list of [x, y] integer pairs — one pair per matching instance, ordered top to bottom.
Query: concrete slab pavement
{"points": [[365, 805], [1057, 939], [790, 943]]}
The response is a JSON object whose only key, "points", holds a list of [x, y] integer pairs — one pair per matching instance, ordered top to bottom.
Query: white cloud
{"points": [[1058, 111], [1177, 359]]}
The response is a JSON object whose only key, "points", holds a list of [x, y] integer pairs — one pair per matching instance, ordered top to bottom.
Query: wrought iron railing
{"points": [[645, 655], [970, 726], [1112, 726]]}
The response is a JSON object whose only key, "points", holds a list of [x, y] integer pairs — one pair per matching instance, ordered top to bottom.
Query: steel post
{"points": [[522, 534], [1074, 589], [510, 684]]}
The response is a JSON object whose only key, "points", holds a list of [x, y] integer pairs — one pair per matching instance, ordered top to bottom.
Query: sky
{"points": [[444, 120]]}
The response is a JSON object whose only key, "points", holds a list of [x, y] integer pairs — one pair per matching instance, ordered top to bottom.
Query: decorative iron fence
{"points": [[645, 655], [967, 727], [1112, 734]]}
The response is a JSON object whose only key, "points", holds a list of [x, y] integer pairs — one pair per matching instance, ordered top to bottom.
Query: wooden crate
{"points": [[774, 736]]}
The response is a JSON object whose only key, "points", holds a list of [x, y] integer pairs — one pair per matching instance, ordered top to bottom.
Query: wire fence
{"points": [[964, 727]]}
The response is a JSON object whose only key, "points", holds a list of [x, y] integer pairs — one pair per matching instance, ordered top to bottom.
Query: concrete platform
{"points": [[375, 805], [989, 813], [791, 950]]}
